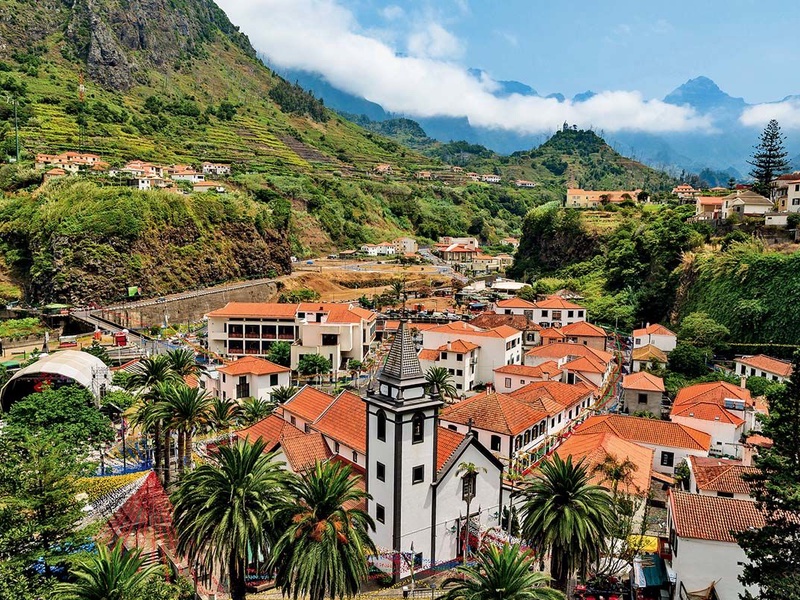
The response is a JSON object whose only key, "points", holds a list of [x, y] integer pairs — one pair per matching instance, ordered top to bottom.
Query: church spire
{"points": [[402, 362]]}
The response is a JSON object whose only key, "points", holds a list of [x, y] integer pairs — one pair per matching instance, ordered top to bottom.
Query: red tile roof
{"points": [[556, 302], [515, 303], [256, 309], [489, 320], [583, 329], [654, 329], [469, 330], [552, 333], [458, 347], [563, 349], [649, 353], [428, 354], [767, 363], [585, 364], [252, 365], [547, 369], [191, 381], [643, 381], [715, 391], [563, 394], [308, 404], [707, 411], [494, 412], [345, 421], [271, 430], [647, 431], [446, 443], [593, 448], [303, 451], [721, 475], [712, 517]]}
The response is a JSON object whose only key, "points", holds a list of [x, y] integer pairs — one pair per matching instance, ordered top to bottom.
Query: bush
{"points": [[688, 360]]}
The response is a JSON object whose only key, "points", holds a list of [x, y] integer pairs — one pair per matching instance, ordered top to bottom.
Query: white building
{"points": [[216, 169], [187, 174], [490, 178], [745, 203], [405, 245], [382, 249], [554, 311], [339, 332], [655, 335], [499, 346], [459, 357], [580, 363], [764, 366], [247, 377], [510, 378], [720, 477], [418, 495], [704, 551]]}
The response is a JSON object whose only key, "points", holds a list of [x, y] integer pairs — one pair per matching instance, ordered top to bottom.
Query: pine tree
{"points": [[769, 159], [774, 558]]}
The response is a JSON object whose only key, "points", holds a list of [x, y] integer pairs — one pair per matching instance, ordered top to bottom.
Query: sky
{"points": [[412, 56]]}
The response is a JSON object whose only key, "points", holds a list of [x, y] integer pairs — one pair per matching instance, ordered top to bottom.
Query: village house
{"points": [[71, 162], [137, 168], [210, 168], [383, 169], [455, 169], [56, 173], [185, 173], [424, 175], [472, 176], [490, 178], [146, 183], [522, 183], [209, 186], [685, 192], [787, 192], [578, 198], [745, 203], [708, 207], [465, 241], [510, 241], [405, 245], [382, 249], [459, 253], [484, 263], [555, 311], [530, 330], [339, 332], [580, 332], [655, 335], [498, 346], [459, 357], [648, 357], [578, 362], [764, 366], [247, 377], [510, 378], [642, 391], [565, 404], [723, 410], [672, 442], [296, 449], [709, 476], [705, 556]]}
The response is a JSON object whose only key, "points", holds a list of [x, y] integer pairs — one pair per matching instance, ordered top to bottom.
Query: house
{"points": [[71, 161], [137, 168], [210, 168], [383, 169], [455, 169], [56, 173], [185, 173], [426, 175], [472, 176], [490, 178], [146, 182], [522, 183], [209, 186], [685, 192], [788, 194], [579, 198], [745, 203], [708, 207], [776, 219], [464, 241], [510, 241], [405, 245], [382, 249], [459, 253], [484, 263], [514, 306], [555, 311], [530, 330], [340, 332], [580, 332], [655, 335], [498, 346], [459, 357], [647, 357], [579, 362], [764, 366], [247, 377], [510, 378], [642, 391], [565, 404], [723, 410], [672, 443], [709, 476], [418, 495], [705, 554]]}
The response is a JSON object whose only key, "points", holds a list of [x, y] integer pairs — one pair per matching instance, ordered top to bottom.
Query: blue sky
{"points": [[412, 56]]}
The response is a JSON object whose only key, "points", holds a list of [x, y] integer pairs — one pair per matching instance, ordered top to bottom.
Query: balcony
{"points": [[236, 335], [252, 336], [286, 336], [235, 351], [252, 351]]}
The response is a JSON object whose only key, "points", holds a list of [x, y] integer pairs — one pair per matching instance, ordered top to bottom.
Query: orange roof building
{"points": [[765, 366], [720, 477], [712, 518]]}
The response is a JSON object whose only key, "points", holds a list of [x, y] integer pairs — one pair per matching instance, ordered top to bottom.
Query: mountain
{"points": [[705, 96]]}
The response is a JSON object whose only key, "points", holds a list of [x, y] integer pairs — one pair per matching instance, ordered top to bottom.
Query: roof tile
{"points": [[647, 431], [712, 517]]}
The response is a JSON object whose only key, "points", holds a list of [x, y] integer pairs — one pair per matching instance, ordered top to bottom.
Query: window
{"points": [[796, 201], [580, 313], [570, 314], [443, 356], [459, 357], [744, 369], [451, 371], [459, 372], [752, 372], [224, 379], [273, 379], [522, 382], [642, 398], [381, 417], [559, 417], [292, 420], [552, 422], [417, 428], [452, 428], [307, 429], [535, 433], [527, 437], [518, 442], [495, 443], [355, 457], [667, 459], [380, 471], [418, 474], [468, 482], [725, 494], [380, 513]]}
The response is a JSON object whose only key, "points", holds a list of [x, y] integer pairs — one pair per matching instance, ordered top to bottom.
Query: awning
{"points": [[644, 543], [649, 571]]}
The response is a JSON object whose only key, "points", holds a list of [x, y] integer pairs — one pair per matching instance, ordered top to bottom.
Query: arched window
{"points": [[381, 416], [417, 428], [535, 432], [527, 436], [518, 442]]}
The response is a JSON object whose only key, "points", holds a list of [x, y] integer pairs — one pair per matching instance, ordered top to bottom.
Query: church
{"points": [[419, 493]]}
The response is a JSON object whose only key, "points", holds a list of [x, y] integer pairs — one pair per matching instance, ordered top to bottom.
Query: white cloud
{"points": [[392, 12], [323, 37], [509, 37], [431, 40], [787, 113]]}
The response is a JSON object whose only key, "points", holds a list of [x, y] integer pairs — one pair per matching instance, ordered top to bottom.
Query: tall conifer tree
{"points": [[769, 159]]}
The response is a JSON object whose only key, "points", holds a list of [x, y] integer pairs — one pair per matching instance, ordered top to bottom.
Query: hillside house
{"points": [[71, 162], [210, 168], [383, 169], [56, 173], [185, 173], [423, 175], [490, 178], [522, 183], [209, 186], [685, 192], [579, 198], [746, 203], [708, 207], [510, 241], [405, 245], [382, 249], [459, 253], [555, 311], [530, 330], [655, 335], [648, 357], [578, 362], [764, 366], [247, 377], [510, 378], [643, 391], [709, 476]]}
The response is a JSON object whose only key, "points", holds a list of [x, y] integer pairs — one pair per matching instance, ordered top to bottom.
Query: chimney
{"points": [[489, 388]]}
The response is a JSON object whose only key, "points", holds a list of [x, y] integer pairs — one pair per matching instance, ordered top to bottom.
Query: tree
{"points": [[769, 159], [398, 288], [527, 293], [703, 331], [99, 351], [280, 353], [689, 360], [183, 363], [313, 364], [440, 383], [761, 386], [282, 394], [184, 409], [256, 409], [223, 414], [67, 415], [469, 479], [223, 509], [565, 516], [772, 549], [323, 550], [500, 573], [108, 575]]}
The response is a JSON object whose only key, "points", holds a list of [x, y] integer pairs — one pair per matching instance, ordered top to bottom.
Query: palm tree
{"points": [[183, 362], [144, 380], [440, 382], [282, 394], [184, 409], [256, 409], [223, 414], [616, 472], [469, 476], [223, 509], [566, 516], [323, 551], [500, 574], [109, 575]]}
